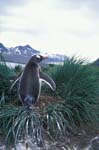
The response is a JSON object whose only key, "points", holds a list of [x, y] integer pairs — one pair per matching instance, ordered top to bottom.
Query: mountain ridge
{"points": [[21, 54]]}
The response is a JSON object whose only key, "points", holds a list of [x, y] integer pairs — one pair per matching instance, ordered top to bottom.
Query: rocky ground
{"points": [[83, 140]]}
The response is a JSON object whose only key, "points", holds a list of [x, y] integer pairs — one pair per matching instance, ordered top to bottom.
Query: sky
{"points": [[69, 27]]}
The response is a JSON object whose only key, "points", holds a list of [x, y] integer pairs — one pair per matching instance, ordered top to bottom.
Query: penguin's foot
{"points": [[29, 110]]}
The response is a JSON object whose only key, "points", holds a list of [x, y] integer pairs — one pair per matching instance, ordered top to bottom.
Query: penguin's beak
{"points": [[44, 57]]}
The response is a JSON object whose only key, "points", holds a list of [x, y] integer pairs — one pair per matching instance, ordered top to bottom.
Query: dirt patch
{"points": [[45, 100]]}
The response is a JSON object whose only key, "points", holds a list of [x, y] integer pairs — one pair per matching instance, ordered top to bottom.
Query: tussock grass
{"points": [[6, 74], [78, 86], [19, 123]]}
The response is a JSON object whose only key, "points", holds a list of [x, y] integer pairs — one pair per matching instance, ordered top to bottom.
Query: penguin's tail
{"points": [[29, 102]]}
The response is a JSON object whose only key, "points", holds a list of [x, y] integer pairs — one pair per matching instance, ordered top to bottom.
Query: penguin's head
{"points": [[38, 58]]}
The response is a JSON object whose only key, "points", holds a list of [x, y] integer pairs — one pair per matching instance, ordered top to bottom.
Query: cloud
{"points": [[12, 3], [76, 4], [7, 5], [63, 26]]}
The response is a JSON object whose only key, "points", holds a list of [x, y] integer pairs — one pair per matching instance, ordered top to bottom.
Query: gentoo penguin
{"points": [[30, 81]]}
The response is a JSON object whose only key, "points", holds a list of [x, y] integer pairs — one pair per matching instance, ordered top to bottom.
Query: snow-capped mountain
{"points": [[3, 49], [19, 50], [23, 50], [22, 54]]}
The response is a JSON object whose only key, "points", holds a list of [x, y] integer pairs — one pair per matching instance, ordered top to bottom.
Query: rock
{"points": [[94, 143], [2, 147]]}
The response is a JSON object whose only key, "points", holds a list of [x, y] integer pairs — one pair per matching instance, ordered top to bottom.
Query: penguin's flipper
{"points": [[48, 80], [15, 82]]}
